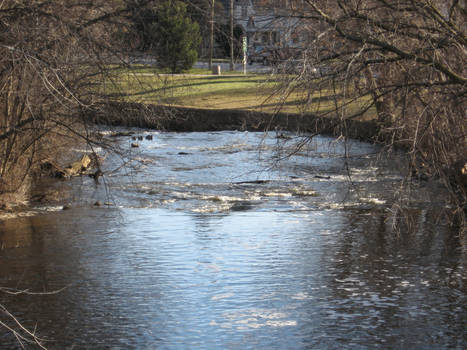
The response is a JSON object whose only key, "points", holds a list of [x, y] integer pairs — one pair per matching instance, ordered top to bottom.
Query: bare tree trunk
{"points": [[382, 104]]}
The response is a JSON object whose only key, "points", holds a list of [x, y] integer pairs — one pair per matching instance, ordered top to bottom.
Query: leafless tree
{"points": [[53, 55], [400, 61]]}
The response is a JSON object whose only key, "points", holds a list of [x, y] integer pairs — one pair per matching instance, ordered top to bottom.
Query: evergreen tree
{"points": [[175, 37]]}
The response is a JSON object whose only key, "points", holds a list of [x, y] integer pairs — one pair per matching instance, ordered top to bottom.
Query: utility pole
{"points": [[211, 35], [231, 35], [244, 49]]}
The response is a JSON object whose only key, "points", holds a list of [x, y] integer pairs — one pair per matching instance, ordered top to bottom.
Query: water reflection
{"points": [[16, 233], [288, 272]]}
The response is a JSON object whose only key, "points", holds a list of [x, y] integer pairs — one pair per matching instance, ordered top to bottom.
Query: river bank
{"points": [[183, 119]]}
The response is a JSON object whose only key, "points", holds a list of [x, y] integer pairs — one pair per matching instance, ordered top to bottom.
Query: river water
{"points": [[219, 241]]}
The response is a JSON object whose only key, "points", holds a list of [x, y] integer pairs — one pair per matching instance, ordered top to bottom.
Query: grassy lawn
{"points": [[232, 90]]}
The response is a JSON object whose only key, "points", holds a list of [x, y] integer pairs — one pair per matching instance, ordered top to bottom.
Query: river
{"points": [[220, 241]]}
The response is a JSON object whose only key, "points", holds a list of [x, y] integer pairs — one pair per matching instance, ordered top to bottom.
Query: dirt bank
{"points": [[172, 118]]}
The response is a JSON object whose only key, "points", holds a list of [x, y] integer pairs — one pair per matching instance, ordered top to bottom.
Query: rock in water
{"points": [[77, 167]]}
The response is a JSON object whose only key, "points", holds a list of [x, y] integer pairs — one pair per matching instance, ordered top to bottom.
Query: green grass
{"points": [[148, 69], [198, 88]]}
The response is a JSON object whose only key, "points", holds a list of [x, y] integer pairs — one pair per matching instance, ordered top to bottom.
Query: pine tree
{"points": [[175, 37]]}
